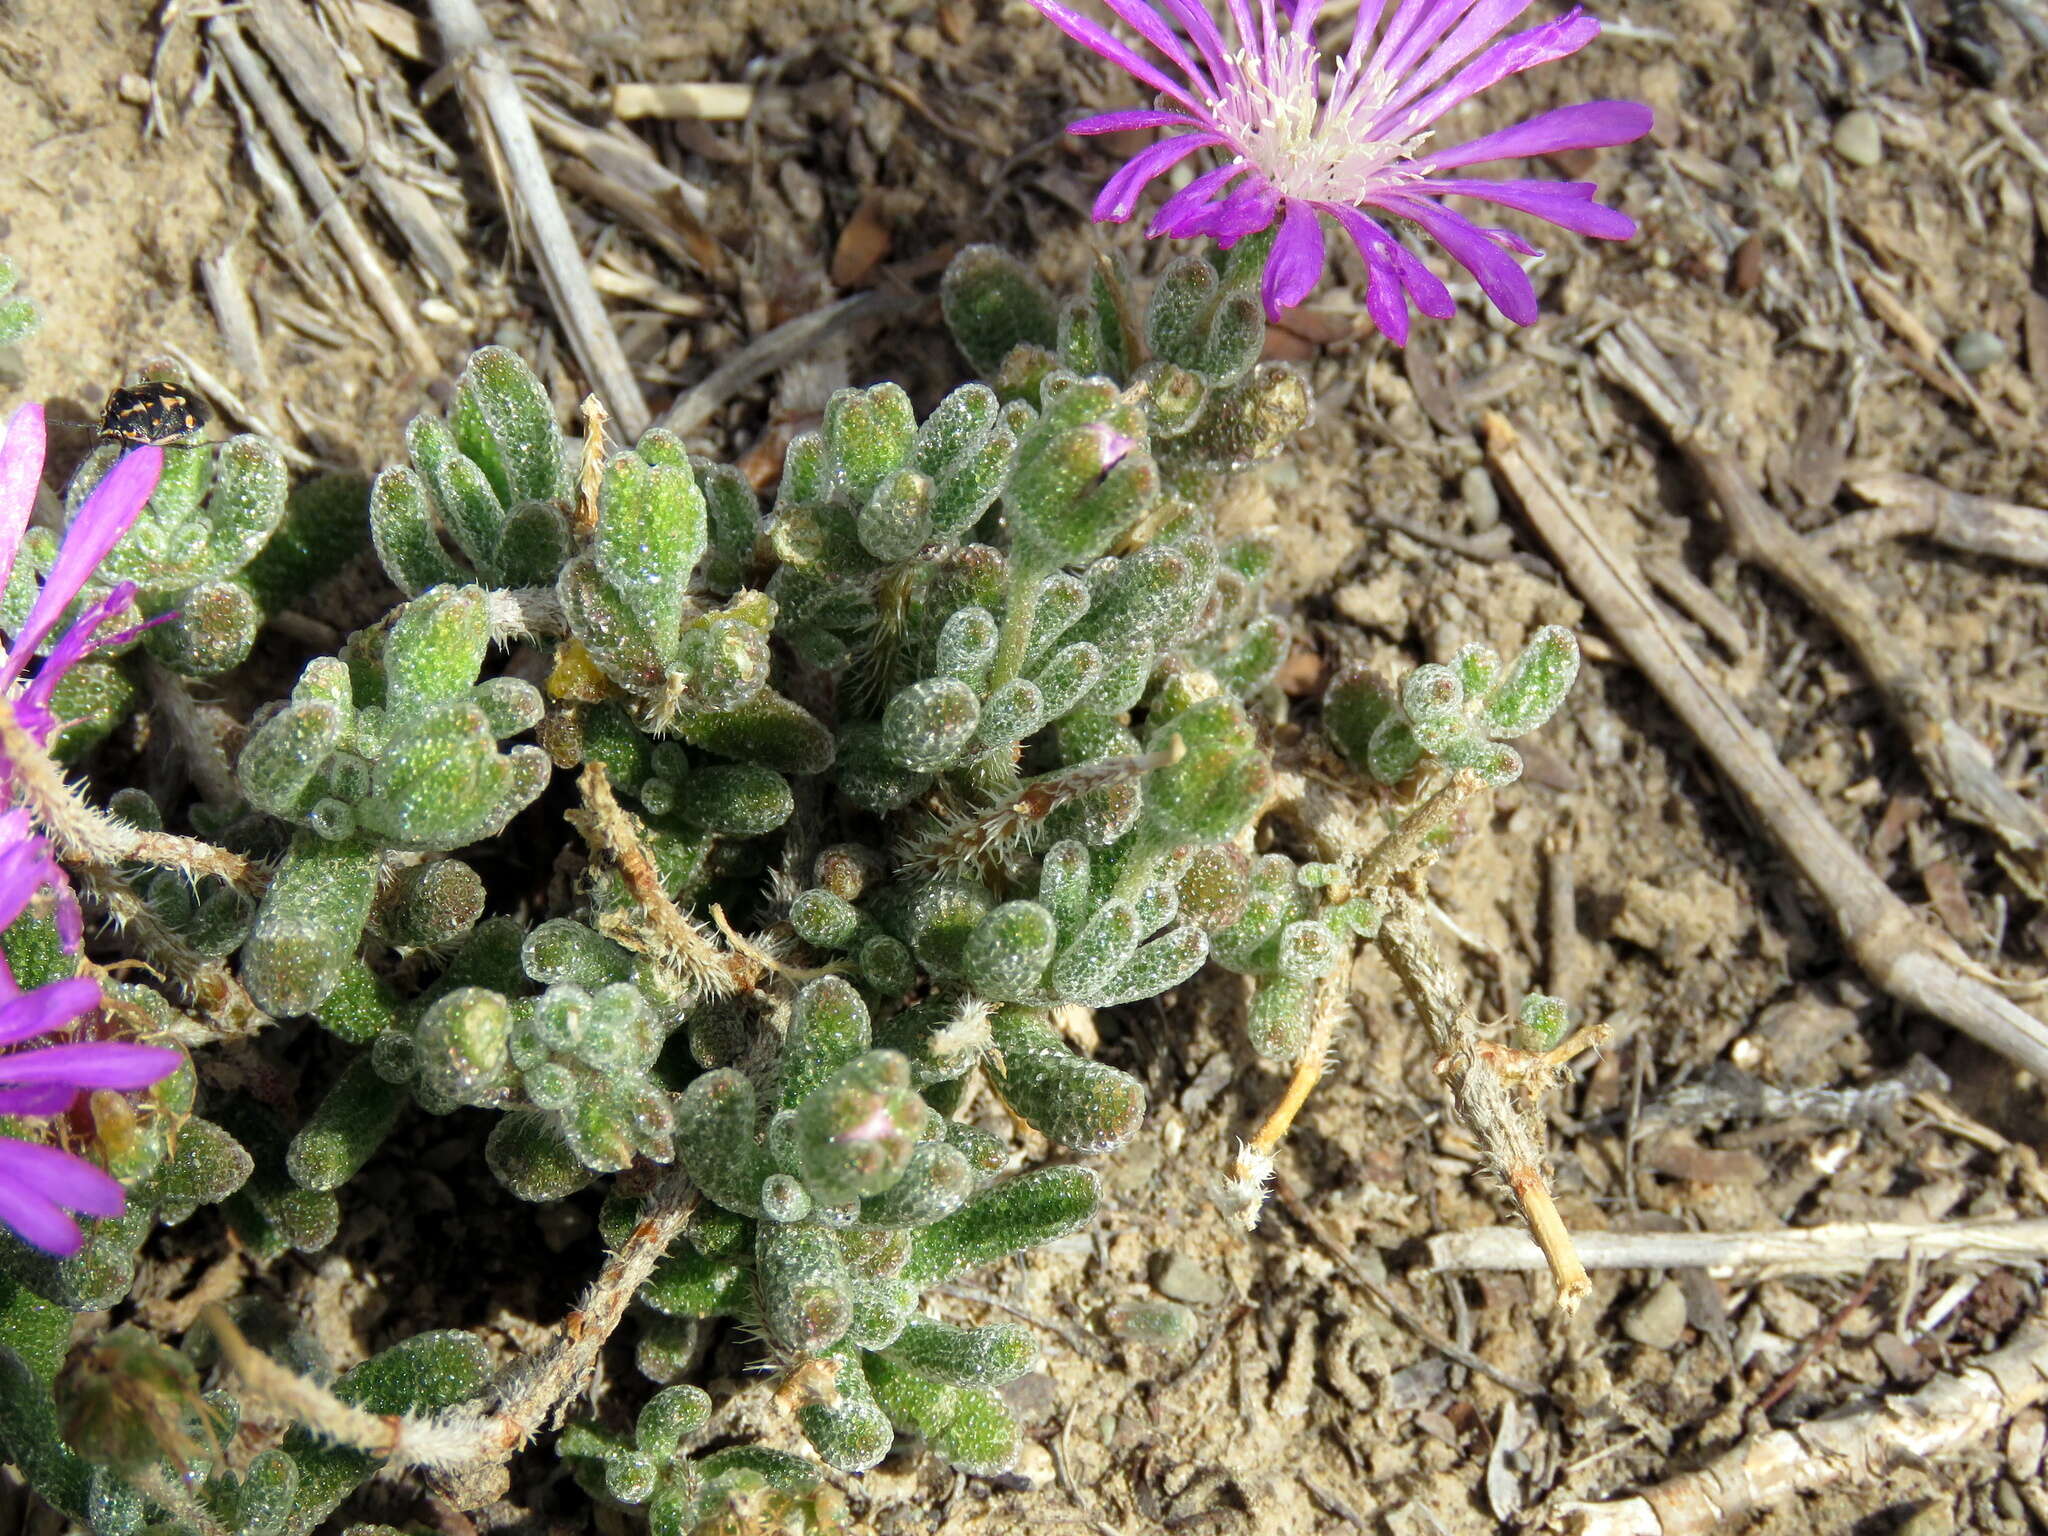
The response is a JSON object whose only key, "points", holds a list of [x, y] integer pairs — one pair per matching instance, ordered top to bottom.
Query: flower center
{"points": [[1307, 145]]}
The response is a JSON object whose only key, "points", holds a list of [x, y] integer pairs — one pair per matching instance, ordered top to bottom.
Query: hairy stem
{"points": [[212, 775], [82, 833], [1408, 844], [661, 929], [1483, 1096], [527, 1397]]}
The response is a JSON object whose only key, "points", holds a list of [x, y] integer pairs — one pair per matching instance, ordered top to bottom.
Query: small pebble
{"points": [[1878, 61], [133, 89], [1857, 139], [1975, 351], [1482, 501], [1176, 1275], [1790, 1315], [1657, 1321], [2007, 1497]]}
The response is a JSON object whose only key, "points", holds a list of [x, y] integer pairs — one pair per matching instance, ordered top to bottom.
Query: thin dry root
{"points": [[1252, 1172]]}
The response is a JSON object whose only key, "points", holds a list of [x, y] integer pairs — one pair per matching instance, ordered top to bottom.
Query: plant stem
{"points": [[1020, 610], [84, 834], [1482, 1096]]}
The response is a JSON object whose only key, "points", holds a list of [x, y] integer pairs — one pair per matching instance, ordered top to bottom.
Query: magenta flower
{"points": [[1350, 141], [106, 514], [39, 1184]]}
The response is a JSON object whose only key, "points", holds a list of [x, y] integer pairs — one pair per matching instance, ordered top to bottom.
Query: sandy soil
{"points": [[1300, 1408]]}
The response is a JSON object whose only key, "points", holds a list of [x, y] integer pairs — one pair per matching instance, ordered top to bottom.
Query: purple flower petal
{"points": [[1195, 19], [1146, 22], [1482, 24], [1363, 25], [1418, 26], [1247, 33], [1097, 40], [1525, 50], [1133, 117], [1588, 125], [1347, 147], [1119, 196], [1567, 204], [1249, 209], [1180, 215], [1511, 242], [1375, 243], [1296, 263], [1499, 277], [1386, 296], [21, 473], [109, 512], [79, 641], [25, 868], [70, 921], [53, 1006], [90, 1064], [44, 1099], [58, 1178], [35, 1180], [36, 1221]]}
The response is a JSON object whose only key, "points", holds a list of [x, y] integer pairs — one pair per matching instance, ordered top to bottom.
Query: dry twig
{"points": [[225, 34], [321, 80], [710, 101], [497, 113], [665, 220], [777, 349], [1909, 507], [187, 726], [1957, 765], [85, 834], [1369, 864], [662, 930], [1899, 952], [206, 985], [1724, 1092], [1839, 1248], [1386, 1300], [1818, 1343], [1946, 1415], [471, 1441]]}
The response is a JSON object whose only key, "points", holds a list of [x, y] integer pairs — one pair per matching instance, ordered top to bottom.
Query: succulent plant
{"points": [[842, 806]]}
